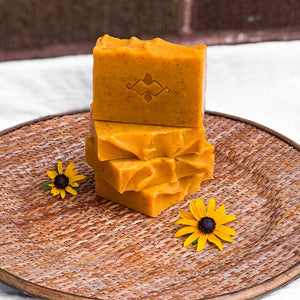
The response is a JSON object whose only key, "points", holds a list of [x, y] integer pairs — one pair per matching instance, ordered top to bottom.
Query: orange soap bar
{"points": [[149, 82], [116, 140], [191, 164], [136, 175], [153, 200]]}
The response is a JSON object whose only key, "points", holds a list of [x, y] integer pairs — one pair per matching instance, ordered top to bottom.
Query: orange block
{"points": [[149, 82], [116, 140], [136, 175], [153, 200]]}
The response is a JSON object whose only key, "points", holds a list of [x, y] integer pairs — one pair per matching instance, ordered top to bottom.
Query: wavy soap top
{"points": [[155, 46]]}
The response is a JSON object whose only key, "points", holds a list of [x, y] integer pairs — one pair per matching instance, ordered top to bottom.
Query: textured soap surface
{"points": [[149, 82], [116, 140], [136, 175], [150, 201]]}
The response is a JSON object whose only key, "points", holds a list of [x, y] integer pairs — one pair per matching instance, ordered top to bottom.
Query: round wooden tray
{"points": [[88, 247]]}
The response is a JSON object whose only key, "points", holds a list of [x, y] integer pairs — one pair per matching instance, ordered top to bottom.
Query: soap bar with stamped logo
{"points": [[149, 82]]}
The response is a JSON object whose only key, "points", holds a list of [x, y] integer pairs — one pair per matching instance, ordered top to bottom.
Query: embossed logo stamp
{"points": [[147, 87]]}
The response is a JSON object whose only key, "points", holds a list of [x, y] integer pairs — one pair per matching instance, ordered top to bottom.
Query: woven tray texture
{"points": [[86, 246]]}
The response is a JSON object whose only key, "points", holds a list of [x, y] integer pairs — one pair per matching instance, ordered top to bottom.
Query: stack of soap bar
{"points": [[147, 143]]}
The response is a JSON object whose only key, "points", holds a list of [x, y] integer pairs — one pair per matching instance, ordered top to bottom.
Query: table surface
{"points": [[258, 82]]}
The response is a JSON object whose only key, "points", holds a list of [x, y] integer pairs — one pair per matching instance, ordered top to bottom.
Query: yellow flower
{"points": [[63, 182], [205, 224]]}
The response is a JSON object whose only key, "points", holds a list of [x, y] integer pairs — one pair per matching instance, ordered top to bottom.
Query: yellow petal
{"points": [[59, 167], [69, 169], [72, 173], [52, 174], [76, 178], [74, 184], [55, 191], [71, 191], [62, 193], [201, 207], [211, 207], [194, 211], [219, 212], [186, 215], [225, 219], [187, 222], [226, 229], [185, 230], [222, 235], [191, 238], [213, 239], [201, 242]]}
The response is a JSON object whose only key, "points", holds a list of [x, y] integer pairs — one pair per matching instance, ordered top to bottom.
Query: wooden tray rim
{"points": [[253, 292]]}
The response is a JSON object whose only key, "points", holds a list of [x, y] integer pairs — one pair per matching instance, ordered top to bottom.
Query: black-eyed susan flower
{"points": [[63, 182], [205, 224]]}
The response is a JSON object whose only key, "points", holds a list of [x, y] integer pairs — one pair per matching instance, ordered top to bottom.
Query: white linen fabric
{"points": [[259, 82]]}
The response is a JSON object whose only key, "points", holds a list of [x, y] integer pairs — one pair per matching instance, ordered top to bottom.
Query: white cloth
{"points": [[259, 82]]}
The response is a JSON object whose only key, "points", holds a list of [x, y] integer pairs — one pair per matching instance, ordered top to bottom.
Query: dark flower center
{"points": [[61, 181], [207, 225]]}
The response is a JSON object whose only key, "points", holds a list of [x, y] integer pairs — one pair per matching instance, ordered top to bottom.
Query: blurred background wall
{"points": [[41, 28]]}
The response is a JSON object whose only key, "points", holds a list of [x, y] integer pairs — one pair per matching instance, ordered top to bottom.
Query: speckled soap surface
{"points": [[138, 81], [115, 140]]}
